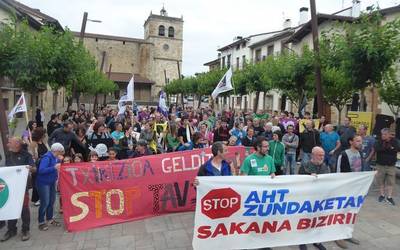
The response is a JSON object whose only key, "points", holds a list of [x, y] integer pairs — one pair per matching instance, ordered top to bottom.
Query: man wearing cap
{"points": [[18, 156], [47, 175]]}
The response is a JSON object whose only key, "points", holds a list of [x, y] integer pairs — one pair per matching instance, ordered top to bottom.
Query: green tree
{"points": [[367, 49], [291, 74], [251, 79], [389, 91]]}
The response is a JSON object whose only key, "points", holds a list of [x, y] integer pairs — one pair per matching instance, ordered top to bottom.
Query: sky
{"points": [[208, 24]]}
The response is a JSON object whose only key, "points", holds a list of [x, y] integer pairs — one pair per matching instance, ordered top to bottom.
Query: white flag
{"points": [[224, 85], [130, 89], [122, 104], [18, 108], [12, 191]]}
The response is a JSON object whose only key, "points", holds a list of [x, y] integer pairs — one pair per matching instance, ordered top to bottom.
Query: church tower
{"points": [[166, 33]]}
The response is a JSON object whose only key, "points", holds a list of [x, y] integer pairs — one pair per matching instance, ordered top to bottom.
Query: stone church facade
{"points": [[154, 60]]}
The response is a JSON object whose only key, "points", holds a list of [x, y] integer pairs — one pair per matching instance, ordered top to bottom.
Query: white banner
{"points": [[12, 191], [243, 212]]}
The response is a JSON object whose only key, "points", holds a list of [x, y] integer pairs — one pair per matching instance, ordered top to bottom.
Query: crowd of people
{"points": [[280, 140]]}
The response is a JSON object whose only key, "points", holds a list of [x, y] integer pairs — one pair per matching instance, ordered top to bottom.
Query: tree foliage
{"points": [[34, 60], [389, 91]]}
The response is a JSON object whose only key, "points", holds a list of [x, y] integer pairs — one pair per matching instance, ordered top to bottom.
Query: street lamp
{"points": [[83, 27], [82, 35]]}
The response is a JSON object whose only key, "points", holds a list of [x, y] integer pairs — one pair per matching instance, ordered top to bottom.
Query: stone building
{"points": [[154, 60]]}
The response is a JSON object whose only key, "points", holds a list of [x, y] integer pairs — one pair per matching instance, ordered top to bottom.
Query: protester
{"points": [[53, 124], [258, 129], [268, 131], [345, 132], [222, 133], [238, 133], [27, 134], [117, 135], [65, 136], [249, 139], [308, 140], [291, 142], [330, 142], [37, 149], [141, 149], [386, 149], [367, 151], [277, 152], [112, 154], [17, 156], [93, 156], [78, 158], [350, 160], [259, 162], [216, 165], [315, 166], [47, 176]]}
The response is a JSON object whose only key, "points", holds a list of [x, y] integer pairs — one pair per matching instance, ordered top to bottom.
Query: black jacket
{"points": [[309, 139], [386, 152], [344, 163]]}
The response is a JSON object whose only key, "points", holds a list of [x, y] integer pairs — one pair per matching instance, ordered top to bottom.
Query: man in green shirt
{"points": [[259, 163]]}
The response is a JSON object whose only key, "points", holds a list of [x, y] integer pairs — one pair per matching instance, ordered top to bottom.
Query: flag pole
{"points": [[27, 121]]}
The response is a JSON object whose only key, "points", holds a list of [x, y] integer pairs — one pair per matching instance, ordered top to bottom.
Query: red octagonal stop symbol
{"points": [[220, 203]]}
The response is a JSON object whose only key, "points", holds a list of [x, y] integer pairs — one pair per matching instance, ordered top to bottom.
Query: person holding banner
{"points": [[17, 156], [259, 163], [217, 165], [314, 167], [47, 176]]}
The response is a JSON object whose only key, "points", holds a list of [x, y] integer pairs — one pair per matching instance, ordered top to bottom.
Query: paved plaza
{"points": [[378, 227]]}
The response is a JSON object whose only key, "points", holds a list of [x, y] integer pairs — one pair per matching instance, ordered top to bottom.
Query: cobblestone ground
{"points": [[378, 227]]}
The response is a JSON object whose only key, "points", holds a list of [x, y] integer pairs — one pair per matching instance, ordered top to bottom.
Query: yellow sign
{"points": [[358, 118], [302, 124]]}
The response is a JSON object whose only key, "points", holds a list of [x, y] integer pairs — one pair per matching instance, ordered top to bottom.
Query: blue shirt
{"points": [[239, 134], [329, 140], [368, 143], [47, 173]]}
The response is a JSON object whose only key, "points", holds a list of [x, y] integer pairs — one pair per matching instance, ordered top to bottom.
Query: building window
{"points": [[161, 30], [171, 32], [123, 42], [243, 44], [238, 47], [270, 50], [258, 55], [228, 61], [243, 61], [223, 62], [237, 62]]}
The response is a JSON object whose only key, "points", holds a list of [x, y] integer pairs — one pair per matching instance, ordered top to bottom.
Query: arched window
{"points": [[161, 30], [171, 32]]}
